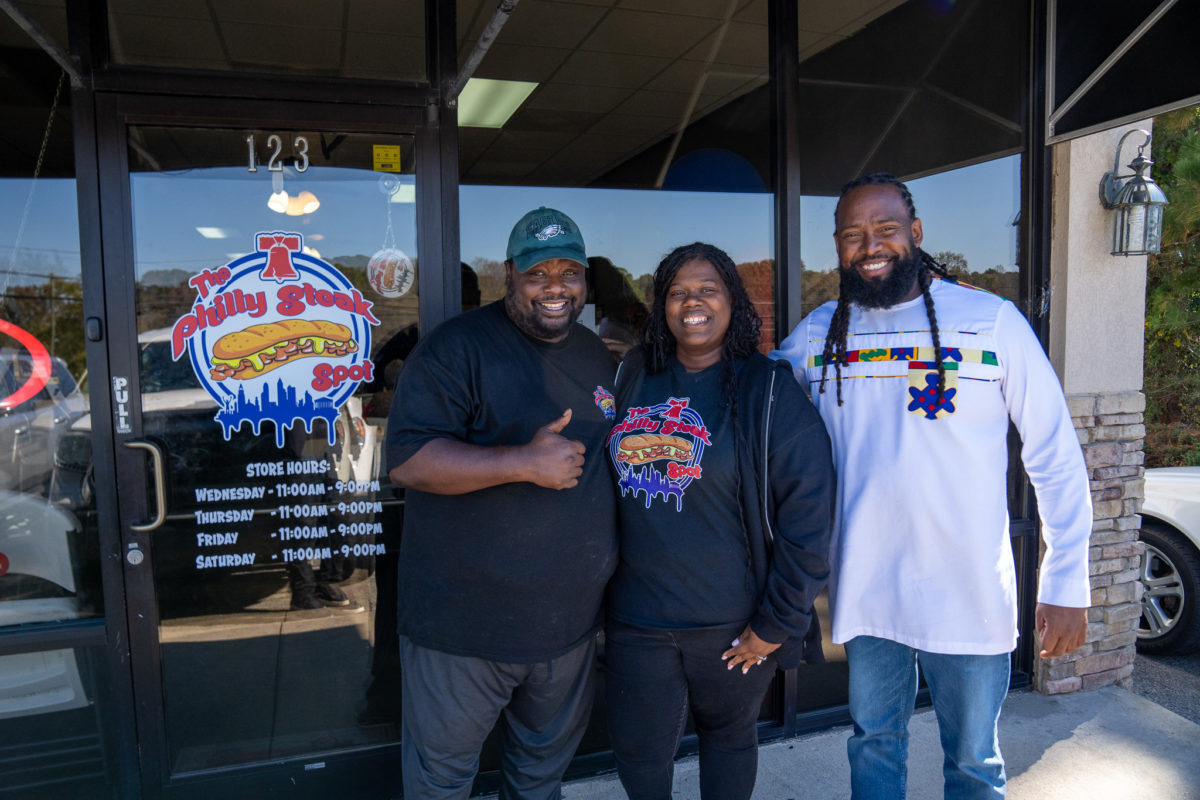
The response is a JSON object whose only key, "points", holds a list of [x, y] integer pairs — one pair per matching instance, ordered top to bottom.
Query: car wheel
{"points": [[1170, 576]]}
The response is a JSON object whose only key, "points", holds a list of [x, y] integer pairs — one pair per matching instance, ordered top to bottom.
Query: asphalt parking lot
{"points": [[1171, 681]]}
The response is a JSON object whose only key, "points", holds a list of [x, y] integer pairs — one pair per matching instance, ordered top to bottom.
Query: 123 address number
{"points": [[274, 163]]}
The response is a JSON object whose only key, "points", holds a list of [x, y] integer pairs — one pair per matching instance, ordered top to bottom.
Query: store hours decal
{"points": [[277, 335]]}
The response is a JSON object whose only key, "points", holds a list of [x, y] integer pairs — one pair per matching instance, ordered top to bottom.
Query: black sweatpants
{"points": [[652, 679], [452, 702]]}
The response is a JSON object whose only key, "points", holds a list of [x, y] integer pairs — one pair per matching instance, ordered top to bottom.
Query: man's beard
{"points": [[884, 292], [525, 317]]}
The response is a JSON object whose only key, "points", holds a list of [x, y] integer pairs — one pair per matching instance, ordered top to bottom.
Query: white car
{"points": [[1171, 565]]}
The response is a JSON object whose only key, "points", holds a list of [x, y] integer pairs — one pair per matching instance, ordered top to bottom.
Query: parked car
{"points": [[29, 431], [1171, 564]]}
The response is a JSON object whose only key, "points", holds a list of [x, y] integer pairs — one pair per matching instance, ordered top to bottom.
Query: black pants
{"points": [[653, 677], [451, 703]]}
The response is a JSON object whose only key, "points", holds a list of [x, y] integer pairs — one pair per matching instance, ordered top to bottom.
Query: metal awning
{"points": [[1117, 61]]}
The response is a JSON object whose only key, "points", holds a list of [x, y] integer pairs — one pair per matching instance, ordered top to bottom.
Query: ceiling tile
{"points": [[181, 9], [712, 9], [754, 12], [290, 13], [844, 16], [399, 17], [471, 17], [537, 22], [643, 33], [174, 41], [822, 43], [744, 45], [296, 49], [384, 56], [514, 63], [605, 69], [683, 75], [597, 99], [646, 103], [544, 119], [645, 127], [529, 143], [606, 144]]}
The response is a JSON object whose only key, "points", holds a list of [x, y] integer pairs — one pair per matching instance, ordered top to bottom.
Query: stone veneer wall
{"points": [[1111, 431]]}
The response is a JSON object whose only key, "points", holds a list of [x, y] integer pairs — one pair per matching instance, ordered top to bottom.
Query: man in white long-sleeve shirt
{"points": [[917, 378]]}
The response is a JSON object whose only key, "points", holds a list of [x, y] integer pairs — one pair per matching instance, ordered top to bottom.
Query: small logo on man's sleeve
{"points": [[606, 403]]}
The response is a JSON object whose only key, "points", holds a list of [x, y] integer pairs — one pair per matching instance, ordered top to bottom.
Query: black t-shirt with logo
{"points": [[683, 558], [514, 572]]}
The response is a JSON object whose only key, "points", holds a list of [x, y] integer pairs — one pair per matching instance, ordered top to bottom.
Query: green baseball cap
{"points": [[543, 234]]}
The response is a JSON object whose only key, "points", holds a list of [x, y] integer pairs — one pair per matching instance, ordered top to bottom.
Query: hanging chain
{"points": [[37, 171]]}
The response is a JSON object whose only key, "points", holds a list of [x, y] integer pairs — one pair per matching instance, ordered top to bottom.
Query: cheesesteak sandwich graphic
{"points": [[257, 350], [646, 447]]}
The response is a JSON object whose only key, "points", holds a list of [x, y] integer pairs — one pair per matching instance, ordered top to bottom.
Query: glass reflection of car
{"points": [[178, 415], [29, 430], [1170, 571]]}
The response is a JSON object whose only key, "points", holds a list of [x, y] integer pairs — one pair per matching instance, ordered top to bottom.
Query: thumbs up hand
{"points": [[552, 460]]}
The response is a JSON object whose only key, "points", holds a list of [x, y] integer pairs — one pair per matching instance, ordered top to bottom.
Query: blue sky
{"points": [[968, 210]]}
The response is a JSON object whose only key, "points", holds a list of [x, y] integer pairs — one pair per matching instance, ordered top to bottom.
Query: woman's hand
{"points": [[747, 650]]}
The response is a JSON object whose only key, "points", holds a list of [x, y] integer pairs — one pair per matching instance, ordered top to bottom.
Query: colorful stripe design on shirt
{"points": [[913, 355], [901, 375]]}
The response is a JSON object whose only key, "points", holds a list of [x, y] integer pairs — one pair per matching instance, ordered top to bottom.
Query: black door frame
{"points": [[115, 112]]}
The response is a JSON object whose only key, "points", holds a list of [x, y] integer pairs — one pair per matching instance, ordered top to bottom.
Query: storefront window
{"points": [[352, 39], [932, 93], [940, 96], [648, 124], [971, 218], [627, 232], [276, 297], [49, 569]]}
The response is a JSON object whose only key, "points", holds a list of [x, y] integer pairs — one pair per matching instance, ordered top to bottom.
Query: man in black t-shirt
{"points": [[497, 430]]}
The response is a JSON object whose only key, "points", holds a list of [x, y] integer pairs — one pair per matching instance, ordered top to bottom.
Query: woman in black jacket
{"points": [[726, 485]]}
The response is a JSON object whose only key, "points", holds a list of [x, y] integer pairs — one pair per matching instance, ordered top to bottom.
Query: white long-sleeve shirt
{"points": [[921, 552]]}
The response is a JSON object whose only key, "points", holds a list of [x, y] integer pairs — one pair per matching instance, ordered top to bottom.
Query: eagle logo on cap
{"points": [[548, 231]]}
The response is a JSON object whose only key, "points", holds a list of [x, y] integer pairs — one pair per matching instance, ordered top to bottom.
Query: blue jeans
{"points": [[652, 679], [967, 693]]}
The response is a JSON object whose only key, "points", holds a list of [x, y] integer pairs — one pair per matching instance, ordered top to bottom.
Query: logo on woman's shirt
{"points": [[657, 450]]}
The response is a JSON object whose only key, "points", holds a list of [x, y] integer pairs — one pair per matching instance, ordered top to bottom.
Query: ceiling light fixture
{"points": [[488, 103], [282, 203]]}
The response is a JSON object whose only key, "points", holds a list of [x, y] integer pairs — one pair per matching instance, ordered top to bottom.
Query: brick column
{"points": [[1111, 432]]}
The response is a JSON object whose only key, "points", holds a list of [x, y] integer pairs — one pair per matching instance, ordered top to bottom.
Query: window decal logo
{"points": [[277, 335]]}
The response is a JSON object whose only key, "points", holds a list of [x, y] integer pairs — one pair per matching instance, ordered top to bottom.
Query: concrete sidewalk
{"points": [[1108, 743]]}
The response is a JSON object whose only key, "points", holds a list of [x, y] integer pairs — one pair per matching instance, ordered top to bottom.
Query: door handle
{"points": [[160, 486]]}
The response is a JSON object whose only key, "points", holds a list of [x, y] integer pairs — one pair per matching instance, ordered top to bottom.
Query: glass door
{"points": [[275, 279]]}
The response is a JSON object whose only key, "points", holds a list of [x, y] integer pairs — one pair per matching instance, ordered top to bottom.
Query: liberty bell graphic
{"points": [[279, 248]]}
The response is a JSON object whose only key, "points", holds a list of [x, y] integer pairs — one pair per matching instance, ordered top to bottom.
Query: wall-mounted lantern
{"points": [[1138, 201]]}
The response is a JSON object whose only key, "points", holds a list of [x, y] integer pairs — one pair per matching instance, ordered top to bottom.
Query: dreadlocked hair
{"points": [[741, 338], [835, 339]]}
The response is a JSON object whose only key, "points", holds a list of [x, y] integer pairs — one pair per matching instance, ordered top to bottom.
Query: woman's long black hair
{"points": [[741, 339]]}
